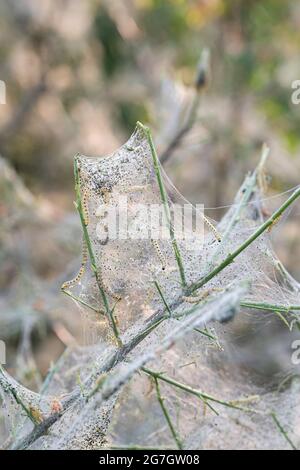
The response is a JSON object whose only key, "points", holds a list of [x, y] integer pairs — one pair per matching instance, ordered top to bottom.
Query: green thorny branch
{"points": [[257, 177], [251, 181], [164, 198], [232, 256], [82, 302], [271, 307], [108, 310], [155, 321], [205, 333], [206, 398], [166, 414]]}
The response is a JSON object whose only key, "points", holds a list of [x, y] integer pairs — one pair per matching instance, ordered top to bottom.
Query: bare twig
{"points": [[201, 81], [232, 256]]}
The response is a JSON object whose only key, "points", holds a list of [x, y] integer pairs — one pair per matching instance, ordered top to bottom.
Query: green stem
{"points": [[248, 190], [164, 198], [79, 207], [232, 256], [163, 298], [82, 302], [272, 307], [168, 309], [209, 336], [195, 392], [167, 416], [283, 431]]}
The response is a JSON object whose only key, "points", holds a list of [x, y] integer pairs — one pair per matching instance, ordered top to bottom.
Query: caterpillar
{"points": [[134, 189], [105, 194], [84, 202], [85, 208], [275, 222], [212, 228], [159, 253], [77, 278], [106, 289], [149, 296], [198, 298], [35, 415]]}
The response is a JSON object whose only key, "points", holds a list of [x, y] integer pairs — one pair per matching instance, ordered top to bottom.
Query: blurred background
{"points": [[78, 76]]}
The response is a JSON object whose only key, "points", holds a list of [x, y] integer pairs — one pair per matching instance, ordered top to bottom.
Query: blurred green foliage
{"points": [[165, 21], [268, 39], [255, 50], [116, 52], [128, 113]]}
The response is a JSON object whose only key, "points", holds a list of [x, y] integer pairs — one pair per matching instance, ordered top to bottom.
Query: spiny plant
{"points": [[144, 312], [163, 315]]}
